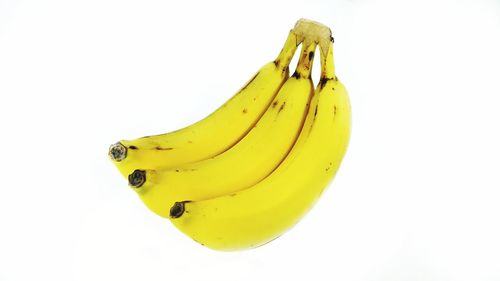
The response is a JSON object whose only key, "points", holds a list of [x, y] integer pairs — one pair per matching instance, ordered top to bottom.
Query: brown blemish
{"points": [[311, 55], [285, 69], [296, 75], [322, 82], [275, 103], [282, 106], [244, 110], [334, 110], [314, 118], [312, 125], [133, 147], [163, 148], [329, 166]]}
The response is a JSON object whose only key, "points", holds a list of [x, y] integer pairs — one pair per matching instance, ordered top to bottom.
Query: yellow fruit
{"points": [[243, 165], [261, 213]]}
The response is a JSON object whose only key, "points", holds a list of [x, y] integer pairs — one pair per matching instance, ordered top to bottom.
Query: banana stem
{"points": [[309, 31], [310, 34], [286, 54], [306, 59], [327, 63]]}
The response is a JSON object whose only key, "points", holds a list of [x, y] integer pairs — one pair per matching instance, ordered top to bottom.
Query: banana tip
{"points": [[117, 152], [137, 178], [177, 210]]}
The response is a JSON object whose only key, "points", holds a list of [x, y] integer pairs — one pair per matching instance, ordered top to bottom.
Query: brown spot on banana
{"points": [[311, 55], [322, 82], [281, 107], [314, 118], [163, 148]]}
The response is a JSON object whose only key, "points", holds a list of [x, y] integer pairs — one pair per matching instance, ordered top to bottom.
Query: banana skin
{"points": [[243, 165], [261, 213]]}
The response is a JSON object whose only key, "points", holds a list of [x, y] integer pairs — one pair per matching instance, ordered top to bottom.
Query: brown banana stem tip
{"points": [[117, 152], [137, 178], [177, 210]]}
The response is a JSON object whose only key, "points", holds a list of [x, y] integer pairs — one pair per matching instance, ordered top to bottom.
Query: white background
{"points": [[417, 197]]}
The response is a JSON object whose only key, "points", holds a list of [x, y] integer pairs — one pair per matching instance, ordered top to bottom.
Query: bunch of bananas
{"points": [[249, 171]]}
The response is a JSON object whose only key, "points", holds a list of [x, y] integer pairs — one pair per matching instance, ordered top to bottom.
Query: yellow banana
{"points": [[214, 134], [247, 162], [261, 213]]}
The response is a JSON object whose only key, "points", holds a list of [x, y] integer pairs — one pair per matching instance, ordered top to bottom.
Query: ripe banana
{"points": [[214, 134], [246, 163], [261, 213]]}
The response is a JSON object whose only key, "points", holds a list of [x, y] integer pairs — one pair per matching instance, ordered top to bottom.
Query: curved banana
{"points": [[214, 134], [247, 162], [261, 213]]}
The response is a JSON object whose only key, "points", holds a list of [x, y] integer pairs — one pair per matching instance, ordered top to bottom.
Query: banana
{"points": [[214, 134], [247, 162], [261, 213]]}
